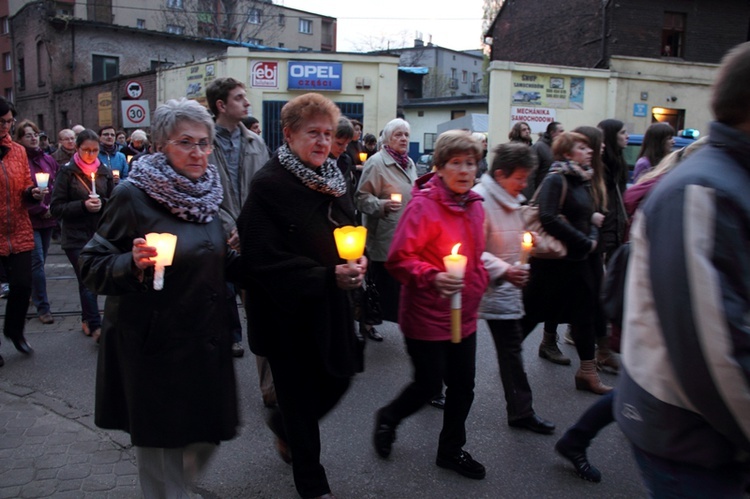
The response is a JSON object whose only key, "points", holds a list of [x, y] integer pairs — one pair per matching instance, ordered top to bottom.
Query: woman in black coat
{"points": [[615, 178], [77, 203], [298, 289], [565, 290], [165, 372]]}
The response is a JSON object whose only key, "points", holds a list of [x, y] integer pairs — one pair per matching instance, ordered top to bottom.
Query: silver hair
{"points": [[174, 111], [392, 126], [139, 135]]}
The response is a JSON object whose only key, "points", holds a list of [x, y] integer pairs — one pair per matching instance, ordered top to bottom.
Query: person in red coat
{"points": [[17, 193], [443, 211]]}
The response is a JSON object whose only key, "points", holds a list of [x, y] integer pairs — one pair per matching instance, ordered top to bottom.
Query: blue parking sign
{"points": [[640, 109]]}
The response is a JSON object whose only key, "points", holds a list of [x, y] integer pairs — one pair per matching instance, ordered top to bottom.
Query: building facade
{"points": [[587, 33], [57, 57], [361, 85]]}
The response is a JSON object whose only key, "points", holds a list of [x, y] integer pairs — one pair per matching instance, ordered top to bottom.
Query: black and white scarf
{"points": [[572, 169], [327, 179], [193, 201]]}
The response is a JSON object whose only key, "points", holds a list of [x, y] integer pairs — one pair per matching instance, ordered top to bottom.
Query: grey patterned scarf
{"points": [[327, 179], [194, 201]]}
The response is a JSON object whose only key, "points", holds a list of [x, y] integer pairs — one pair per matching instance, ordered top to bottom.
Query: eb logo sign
{"points": [[264, 74]]}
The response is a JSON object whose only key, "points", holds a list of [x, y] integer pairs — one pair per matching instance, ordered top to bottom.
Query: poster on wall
{"points": [[198, 77], [562, 92], [104, 105], [536, 117]]}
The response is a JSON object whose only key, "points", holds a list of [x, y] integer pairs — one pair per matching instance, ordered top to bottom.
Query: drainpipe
{"points": [[603, 56]]}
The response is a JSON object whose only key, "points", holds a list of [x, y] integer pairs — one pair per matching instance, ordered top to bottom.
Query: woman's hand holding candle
{"points": [[93, 203], [143, 254], [447, 284]]}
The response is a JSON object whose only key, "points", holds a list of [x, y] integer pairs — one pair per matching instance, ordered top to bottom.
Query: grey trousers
{"points": [[170, 473]]}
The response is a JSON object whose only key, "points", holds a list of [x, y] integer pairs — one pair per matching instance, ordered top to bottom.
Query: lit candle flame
{"points": [[527, 239], [454, 251]]}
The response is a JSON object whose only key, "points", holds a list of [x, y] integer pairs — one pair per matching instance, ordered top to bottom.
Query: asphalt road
{"points": [[519, 463]]}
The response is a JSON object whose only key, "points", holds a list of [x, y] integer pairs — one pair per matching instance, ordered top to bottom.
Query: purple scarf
{"points": [[401, 159]]}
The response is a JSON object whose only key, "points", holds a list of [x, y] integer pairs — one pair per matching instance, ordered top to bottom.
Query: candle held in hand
{"points": [[362, 157], [42, 180], [93, 183], [396, 196], [350, 242], [165, 245], [526, 245], [455, 265]]}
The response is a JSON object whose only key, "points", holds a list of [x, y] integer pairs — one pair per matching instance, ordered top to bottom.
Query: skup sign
{"points": [[317, 76]]}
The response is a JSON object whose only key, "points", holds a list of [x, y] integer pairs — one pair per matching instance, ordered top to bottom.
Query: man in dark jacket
{"points": [[684, 393]]}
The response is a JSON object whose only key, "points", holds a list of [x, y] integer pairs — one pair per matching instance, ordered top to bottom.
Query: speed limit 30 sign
{"points": [[135, 114]]}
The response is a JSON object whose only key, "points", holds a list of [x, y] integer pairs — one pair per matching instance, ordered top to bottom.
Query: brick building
{"points": [[587, 33], [59, 63]]}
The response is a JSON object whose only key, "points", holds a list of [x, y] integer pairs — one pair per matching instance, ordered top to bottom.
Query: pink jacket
{"points": [[432, 223]]}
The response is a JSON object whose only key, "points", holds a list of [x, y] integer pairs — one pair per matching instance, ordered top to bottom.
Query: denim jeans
{"points": [[38, 279], [89, 306], [667, 479]]}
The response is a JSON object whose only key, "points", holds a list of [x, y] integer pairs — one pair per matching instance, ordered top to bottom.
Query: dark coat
{"points": [[72, 189], [289, 259], [564, 290], [165, 371]]}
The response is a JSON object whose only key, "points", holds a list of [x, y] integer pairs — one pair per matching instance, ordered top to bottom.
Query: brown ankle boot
{"points": [[549, 350], [605, 358], [588, 379]]}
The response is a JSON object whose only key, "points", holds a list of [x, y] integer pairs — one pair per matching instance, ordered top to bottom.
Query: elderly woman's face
{"points": [[399, 140], [311, 143], [187, 149], [458, 173]]}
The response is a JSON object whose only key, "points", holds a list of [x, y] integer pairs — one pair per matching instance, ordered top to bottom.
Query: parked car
{"points": [[522, 96], [634, 147], [424, 164]]}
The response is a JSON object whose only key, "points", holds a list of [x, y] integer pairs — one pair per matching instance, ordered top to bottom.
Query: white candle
{"points": [[116, 174], [42, 179], [93, 183], [396, 196], [165, 244], [526, 244], [455, 265]]}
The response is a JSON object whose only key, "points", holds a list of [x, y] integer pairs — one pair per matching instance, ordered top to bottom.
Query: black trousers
{"points": [[18, 269], [508, 336], [435, 362], [305, 392]]}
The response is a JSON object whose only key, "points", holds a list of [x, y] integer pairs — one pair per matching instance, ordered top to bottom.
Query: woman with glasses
{"points": [[27, 134], [82, 189], [17, 193], [165, 372]]}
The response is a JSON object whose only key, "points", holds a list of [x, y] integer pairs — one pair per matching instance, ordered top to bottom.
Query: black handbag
{"points": [[367, 309]]}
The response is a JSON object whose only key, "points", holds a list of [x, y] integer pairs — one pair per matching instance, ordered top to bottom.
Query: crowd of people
{"points": [[259, 225]]}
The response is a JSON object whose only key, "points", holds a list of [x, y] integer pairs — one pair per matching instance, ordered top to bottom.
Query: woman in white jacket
{"points": [[502, 303]]}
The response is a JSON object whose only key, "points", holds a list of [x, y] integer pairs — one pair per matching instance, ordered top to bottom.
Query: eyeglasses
{"points": [[7, 122], [188, 146], [93, 152]]}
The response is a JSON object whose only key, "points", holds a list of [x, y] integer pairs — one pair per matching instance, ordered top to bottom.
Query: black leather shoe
{"points": [[373, 334], [22, 346], [438, 402], [534, 423], [384, 436], [462, 464], [583, 467]]}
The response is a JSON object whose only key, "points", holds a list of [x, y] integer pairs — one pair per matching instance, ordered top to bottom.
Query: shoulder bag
{"points": [[545, 246]]}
